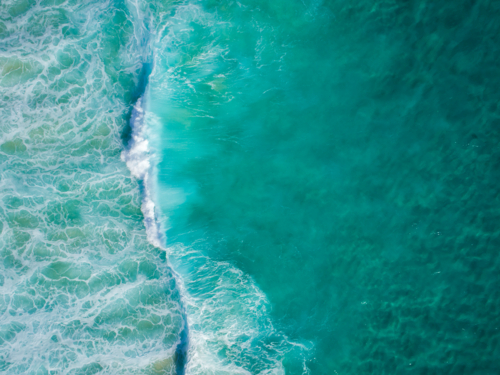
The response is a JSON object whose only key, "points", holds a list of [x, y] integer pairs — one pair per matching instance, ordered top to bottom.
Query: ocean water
{"points": [[249, 187], [82, 291]]}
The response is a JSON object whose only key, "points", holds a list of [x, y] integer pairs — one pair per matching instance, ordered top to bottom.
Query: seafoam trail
{"points": [[137, 157]]}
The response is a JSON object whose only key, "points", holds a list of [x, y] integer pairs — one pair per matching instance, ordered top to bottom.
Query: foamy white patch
{"points": [[138, 160], [73, 298], [230, 330]]}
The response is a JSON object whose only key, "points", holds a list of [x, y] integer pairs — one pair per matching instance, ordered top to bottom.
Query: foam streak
{"points": [[138, 160]]}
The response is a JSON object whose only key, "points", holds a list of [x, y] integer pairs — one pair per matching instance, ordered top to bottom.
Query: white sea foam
{"points": [[138, 159], [81, 290], [230, 329]]}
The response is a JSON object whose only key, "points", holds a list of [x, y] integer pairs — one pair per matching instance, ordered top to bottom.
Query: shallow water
{"points": [[249, 187], [81, 289]]}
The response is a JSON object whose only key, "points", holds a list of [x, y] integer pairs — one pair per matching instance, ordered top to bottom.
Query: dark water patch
{"points": [[137, 93], [181, 351]]}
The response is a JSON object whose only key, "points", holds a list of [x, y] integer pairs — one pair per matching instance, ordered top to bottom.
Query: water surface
{"points": [[252, 187]]}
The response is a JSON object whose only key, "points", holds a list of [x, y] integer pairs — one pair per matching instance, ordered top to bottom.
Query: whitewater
{"points": [[219, 187], [89, 282], [224, 310]]}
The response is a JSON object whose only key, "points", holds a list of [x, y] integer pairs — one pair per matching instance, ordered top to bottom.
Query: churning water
{"points": [[249, 187]]}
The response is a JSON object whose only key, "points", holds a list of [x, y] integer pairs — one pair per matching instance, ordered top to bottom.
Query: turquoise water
{"points": [[253, 187]]}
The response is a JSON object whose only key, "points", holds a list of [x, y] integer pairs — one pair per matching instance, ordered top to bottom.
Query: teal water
{"points": [[345, 156], [252, 187], [82, 291]]}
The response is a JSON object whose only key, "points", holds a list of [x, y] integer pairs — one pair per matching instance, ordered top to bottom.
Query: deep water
{"points": [[345, 156], [249, 187]]}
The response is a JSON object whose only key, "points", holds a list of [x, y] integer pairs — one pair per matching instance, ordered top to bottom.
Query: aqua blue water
{"points": [[252, 187]]}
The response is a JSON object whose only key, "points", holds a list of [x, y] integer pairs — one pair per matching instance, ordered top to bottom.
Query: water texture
{"points": [[345, 156], [249, 187], [81, 289]]}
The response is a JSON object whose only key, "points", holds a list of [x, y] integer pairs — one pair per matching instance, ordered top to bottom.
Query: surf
{"points": [[82, 289]]}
